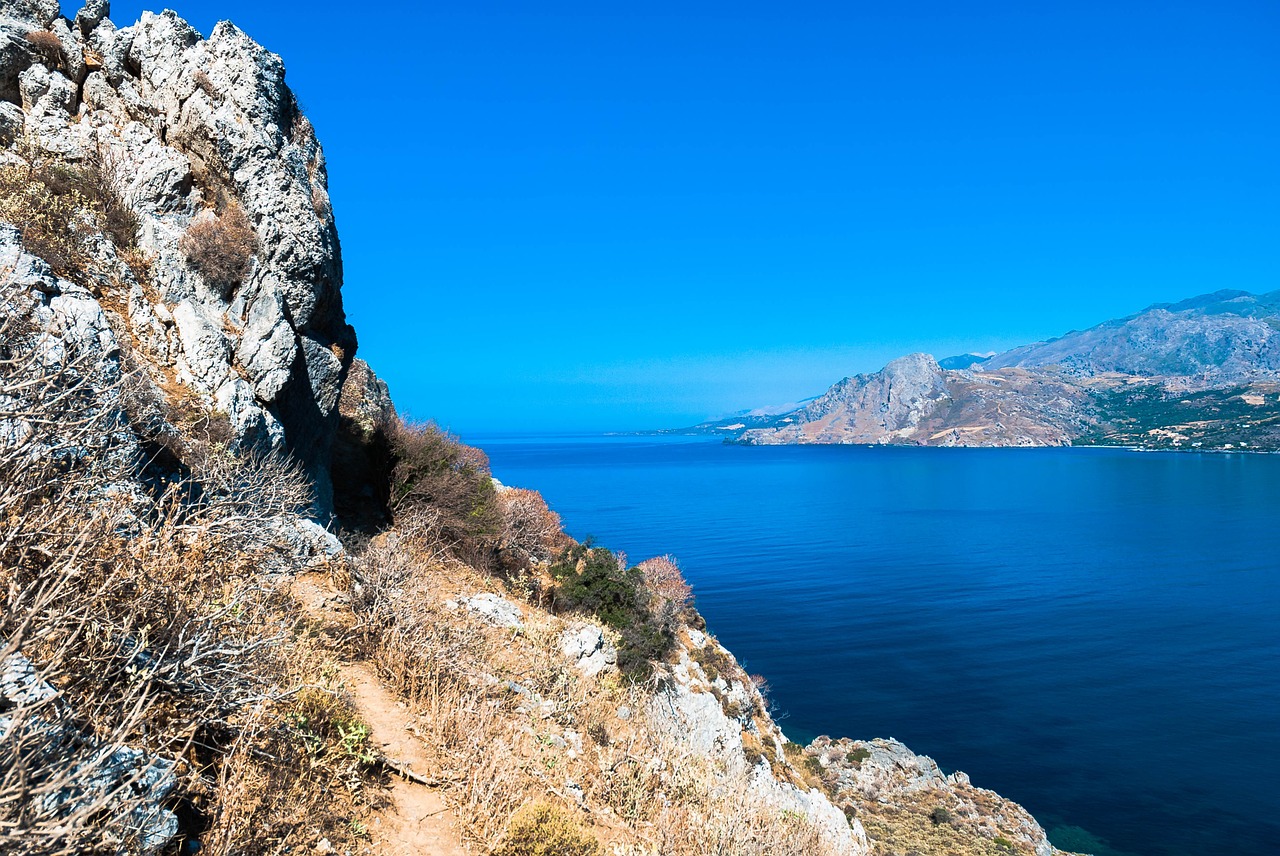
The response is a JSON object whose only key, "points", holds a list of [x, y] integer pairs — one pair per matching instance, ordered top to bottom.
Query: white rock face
{"points": [[185, 122], [492, 608], [588, 650], [692, 715]]}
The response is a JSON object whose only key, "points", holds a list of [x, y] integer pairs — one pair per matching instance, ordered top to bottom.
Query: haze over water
{"points": [[1092, 633]]}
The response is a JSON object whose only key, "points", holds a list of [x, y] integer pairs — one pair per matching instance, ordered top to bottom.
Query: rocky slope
{"points": [[173, 337], [1196, 374]]}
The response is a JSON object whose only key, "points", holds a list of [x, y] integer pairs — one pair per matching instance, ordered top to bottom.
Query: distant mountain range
{"points": [[1200, 374]]}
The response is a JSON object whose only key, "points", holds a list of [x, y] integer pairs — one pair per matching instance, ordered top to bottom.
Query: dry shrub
{"points": [[47, 47], [204, 84], [101, 178], [320, 202], [56, 205], [52, 224], [220, 248], [433, 472], [531, 531], [666, 585], [154, 626], [540, 829]]}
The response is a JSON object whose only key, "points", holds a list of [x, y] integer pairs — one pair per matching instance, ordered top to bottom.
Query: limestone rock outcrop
{"points": [[189, 127], [100, 775], [907, 802]]}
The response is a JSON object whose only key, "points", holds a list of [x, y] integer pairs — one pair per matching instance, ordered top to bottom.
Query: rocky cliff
{"points": [[188, 131], [1198, 374], [190, 660]]}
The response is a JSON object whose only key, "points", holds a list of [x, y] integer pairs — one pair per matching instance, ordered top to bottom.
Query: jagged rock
{"points": [[91, 15], [73, 65], [46, 95], [187, 124], [268, 345], [205, 351], [366, 401], [255, 429], [362, 458], [309, 541], [588, 650], [695, 718], [885, 778]]}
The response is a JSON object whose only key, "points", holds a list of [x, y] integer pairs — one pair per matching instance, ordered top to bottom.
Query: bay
{"points": [[1094, 633]]}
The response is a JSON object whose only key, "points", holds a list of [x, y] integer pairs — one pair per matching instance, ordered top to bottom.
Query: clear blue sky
{"points": [[615, 216]]}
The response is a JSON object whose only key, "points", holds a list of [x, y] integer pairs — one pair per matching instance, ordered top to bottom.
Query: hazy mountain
{"points": [[1211, 341], [1200, 373]]}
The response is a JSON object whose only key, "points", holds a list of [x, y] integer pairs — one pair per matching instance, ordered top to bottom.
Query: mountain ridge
{"points": [[1191, 374]]}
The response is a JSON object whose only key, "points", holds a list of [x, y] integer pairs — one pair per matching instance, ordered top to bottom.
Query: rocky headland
{"points": [[1201, 374], [247, 610]]}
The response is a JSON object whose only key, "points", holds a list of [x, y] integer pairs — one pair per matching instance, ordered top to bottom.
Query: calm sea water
{"points": [[1093, 633]]}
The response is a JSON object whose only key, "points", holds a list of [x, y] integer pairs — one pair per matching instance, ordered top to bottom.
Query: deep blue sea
{"points": [[1094, 633]]}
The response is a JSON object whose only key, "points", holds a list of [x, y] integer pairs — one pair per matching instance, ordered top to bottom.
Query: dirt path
{"points": [[418, 823]]}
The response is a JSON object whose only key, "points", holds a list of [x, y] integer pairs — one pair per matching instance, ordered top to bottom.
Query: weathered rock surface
{"points": [[186, 125], [493, 608], [588, 650], [720, 716], [908, 804]]}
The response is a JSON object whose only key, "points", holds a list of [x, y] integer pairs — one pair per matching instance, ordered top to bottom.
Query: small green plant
{"points": [[715, 662], [329, 728], [857, 756], [940, 815], [538, 829], [1001, 841]]}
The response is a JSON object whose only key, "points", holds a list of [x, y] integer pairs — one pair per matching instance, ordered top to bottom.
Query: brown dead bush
{"points": [[47, 47], [221, 248], [531, 531]]}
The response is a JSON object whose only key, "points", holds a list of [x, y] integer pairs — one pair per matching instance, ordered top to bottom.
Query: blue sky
{"points": [[593, 216]]}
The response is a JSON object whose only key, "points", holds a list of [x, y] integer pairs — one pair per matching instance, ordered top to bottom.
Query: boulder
{"points": [[588, 650]]}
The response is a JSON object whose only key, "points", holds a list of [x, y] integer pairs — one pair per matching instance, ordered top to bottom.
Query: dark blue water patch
{"points": [[1092, 633]]}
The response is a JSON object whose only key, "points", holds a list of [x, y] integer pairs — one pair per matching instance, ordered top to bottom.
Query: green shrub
{"points": [[592, 580], [715, 662], [857, 756], [939, 816], [538, 829]]}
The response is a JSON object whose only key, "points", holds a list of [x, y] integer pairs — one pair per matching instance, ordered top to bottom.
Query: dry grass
{"points": [[159, 633], [509, 723]]}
